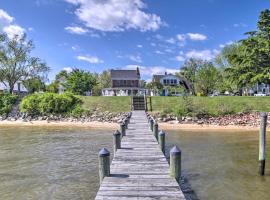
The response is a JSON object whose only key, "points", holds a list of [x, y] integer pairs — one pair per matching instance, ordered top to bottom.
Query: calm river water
{"points": [[61, 163]]}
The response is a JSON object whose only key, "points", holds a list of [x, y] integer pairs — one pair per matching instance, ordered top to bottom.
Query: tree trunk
{"points": [[11, 88]]}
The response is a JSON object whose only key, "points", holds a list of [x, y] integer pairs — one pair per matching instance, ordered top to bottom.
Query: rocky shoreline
{"points": [[95, 116], [240, 119]]}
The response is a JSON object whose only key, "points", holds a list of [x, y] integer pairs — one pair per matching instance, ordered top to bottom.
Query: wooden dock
{"points": [[139, 170]]}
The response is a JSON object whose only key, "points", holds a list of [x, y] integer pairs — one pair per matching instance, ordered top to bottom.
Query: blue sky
{"points": [[156, 35]]}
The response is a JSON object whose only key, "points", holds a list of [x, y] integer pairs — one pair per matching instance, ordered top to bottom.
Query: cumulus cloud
{"points": [[116, 15], [8, 26], [76, 30], [196, 36], [226, 44], [140, 46], [201, 54], [135, 58], [180, 58], [90, 59], [68, 69], [151, 70]]}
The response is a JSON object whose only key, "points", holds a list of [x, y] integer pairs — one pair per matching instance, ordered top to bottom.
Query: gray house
{"points": [[124, 83]]}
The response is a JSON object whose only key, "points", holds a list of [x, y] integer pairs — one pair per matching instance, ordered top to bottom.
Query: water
{"points": [[50, 163], [61, 163], [222, 165]]}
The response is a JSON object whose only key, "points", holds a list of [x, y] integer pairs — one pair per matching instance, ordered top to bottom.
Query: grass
{"points": [[112, 104], [214, 106]]}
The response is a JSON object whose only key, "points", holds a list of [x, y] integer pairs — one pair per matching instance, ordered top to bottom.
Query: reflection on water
{"points": [[51, 163], [61, 163], [222, 165]]}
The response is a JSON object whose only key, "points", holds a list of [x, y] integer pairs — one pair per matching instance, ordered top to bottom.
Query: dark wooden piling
{"points": [[126, 122], [151, 124], [123, 129], [156, 130], [161, 140], [116, 141], [262, 143], [175, 163], [104, 164]]}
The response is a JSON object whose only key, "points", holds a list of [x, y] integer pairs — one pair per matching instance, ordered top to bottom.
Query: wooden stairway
{"points": [[138, 103]]}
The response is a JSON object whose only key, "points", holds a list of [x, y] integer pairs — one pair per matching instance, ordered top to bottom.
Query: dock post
{"points": [[126, 122], [151, 124], [123, 129], [156, 130], [161, 140], [116, 141], [262, 143], [175, 163], [104, 164]]}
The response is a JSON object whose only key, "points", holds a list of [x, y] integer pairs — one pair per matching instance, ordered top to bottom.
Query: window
{"points": [[175, 82]]}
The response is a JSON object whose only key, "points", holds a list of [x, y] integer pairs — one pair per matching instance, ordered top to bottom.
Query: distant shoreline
{"points": [[111, 126]]}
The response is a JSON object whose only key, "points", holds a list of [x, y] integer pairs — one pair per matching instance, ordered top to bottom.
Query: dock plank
{"points": [[139, 170]]}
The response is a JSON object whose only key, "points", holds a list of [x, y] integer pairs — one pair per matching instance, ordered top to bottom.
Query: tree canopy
{"points": [[16, 62]]}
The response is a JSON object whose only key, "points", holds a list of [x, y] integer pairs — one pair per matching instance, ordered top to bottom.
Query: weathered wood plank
{"points": [[139, 170]]}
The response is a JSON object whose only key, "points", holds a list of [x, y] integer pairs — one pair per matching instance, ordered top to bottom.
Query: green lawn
{"points": [[112, 104], [211, 105]]}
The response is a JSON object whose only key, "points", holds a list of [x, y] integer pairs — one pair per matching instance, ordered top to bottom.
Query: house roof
{"points": [[125, 74]]}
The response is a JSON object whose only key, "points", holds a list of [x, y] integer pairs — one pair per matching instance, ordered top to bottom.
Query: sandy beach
{"points": [[107, 125]]}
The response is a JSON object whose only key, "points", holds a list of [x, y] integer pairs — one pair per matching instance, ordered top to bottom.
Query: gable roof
{"points": [[125, 74]]}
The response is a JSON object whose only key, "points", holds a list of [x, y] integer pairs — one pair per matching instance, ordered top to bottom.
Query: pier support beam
{"points": [[126, 122], [151, 124], [123, 129], [156, 130], [116, 141], [161, 141], [262, 143], [175, 163], [104, 164]]}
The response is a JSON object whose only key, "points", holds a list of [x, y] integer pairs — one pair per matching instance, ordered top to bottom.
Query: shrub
{"points": [[6, 103], [50, 103]]}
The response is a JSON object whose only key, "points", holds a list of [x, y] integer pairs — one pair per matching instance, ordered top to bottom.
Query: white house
{"points": [[168, 80], [18, 88]]}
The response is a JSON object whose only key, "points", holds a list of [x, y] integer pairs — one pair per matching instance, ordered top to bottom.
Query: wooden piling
{"points": [[126, 122], [151, 124], [123, 129], [156, 130], [161, 140], [116, 141], [262, 143], [175, 163], [104, 164]]}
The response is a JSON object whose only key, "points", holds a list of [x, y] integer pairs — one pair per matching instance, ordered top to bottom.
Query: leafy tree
{"points": [[16, 63], [251, 63], [189, 71], [207, 78], [103, 81], [79, 82], [34, 85], [155, 85], [53, 87]]}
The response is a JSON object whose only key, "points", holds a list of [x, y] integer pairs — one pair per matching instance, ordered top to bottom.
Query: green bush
{"points": [[6, 103], [50, 103]]}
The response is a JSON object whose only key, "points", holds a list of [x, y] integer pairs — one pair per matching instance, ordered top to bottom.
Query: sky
{"points": [[155, 35]]}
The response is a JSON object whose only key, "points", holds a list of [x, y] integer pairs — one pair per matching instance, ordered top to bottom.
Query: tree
{"points": [[16, 62], [251, 63], [189, 71], [207, 78], [103, 81], [79, 82], [34, 85]]}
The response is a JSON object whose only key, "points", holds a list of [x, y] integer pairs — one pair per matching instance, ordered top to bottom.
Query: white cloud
{"points": [[116, 15], [5, 17], [242, 25], [8, 26], [13, 30], [76, 30], [196, 36], [181, 37], [171, 40], [226, 44], [140, 46], [159, 52], [203, 54], [135, 58], [180, 58], [90, 59], [67, 69], [151, 70]]}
